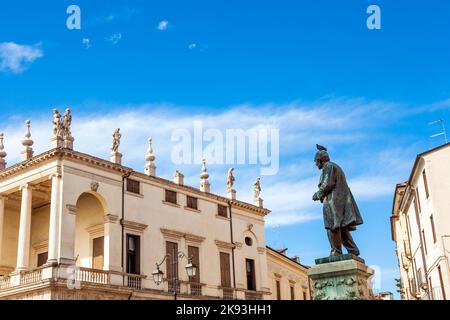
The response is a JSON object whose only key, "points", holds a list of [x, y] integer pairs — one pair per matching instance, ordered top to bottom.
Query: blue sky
{"points": [[312, 69]]}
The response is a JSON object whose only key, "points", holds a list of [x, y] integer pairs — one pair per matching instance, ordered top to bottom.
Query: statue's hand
{"points": [[316, 197]]}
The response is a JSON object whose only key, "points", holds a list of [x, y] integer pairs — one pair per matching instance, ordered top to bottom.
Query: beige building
{"points": [[420, 225], [73, 226], [288, 277]]}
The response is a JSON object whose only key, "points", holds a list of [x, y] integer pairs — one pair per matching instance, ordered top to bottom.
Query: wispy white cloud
{"points": [[163, 25], [114, 38], [192, 46], [16, 58]]}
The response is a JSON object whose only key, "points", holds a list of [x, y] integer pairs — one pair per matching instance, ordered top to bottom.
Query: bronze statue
{"points": [[340, 212]]}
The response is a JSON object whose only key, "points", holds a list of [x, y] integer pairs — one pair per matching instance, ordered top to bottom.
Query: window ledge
{"points": [[138, 195], [171, 204], [192, 209], [223, 218]]}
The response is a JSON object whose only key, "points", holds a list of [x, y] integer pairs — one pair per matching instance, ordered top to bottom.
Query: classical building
{"points": [[420, 225], [74, 226], [288, 277]]}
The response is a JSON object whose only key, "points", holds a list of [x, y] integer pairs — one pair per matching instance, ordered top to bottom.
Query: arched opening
{"points": [[89, 231]]}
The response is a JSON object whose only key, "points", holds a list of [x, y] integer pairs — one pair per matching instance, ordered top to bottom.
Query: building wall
{"points": [[202, 228], [428, 252], [288, 273]]}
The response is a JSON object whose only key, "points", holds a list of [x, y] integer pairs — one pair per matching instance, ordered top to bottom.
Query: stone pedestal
{"points": [[57, 142], [68, 143], [116, 157], [150, 169], [205, 186], [231, 194], [259, 203], [345, 277]]}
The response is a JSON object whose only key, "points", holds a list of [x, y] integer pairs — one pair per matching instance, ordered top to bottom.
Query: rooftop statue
{"points": [[67, 122], [116, 141], [230, 180], [257, 189], [340, 212]]}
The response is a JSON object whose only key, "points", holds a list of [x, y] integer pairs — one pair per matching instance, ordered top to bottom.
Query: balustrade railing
{"points": [[92, 275], [31, 276], [133, 281], [5, 282], [195, 289], [228, 293], [253, 295]]}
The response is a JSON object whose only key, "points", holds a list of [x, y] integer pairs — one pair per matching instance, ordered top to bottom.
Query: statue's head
{"points": [[321, 157]]}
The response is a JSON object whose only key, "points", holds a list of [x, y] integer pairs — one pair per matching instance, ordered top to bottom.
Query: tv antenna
{"points": [[443, 133]]}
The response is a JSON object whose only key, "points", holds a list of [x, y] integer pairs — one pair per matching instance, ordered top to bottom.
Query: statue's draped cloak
{"points": [[339, 206]]}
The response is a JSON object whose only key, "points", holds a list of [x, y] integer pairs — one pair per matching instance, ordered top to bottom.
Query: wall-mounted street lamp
{"points": [[158, 274]]}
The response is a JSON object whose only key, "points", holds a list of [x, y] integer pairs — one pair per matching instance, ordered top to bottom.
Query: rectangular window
{"points": [[424, 176], [133, 186], [171, 196], [418, 200], [192, 202], [222, 211], [432, 228], [424, 242], [97, 253], [194, 253], [133, 254], [42, 259], [172, 261], [225, 270], [251, 276], [441, 281], [430, 286], [278, 289], [292, 293]]}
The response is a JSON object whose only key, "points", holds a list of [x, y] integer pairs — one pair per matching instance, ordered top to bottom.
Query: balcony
{"points": [[407, 249], [405, 261], [73, 276], [422, 279], [413, 288], [195, 289], [436, 293], [228, 294], [253, 295]]}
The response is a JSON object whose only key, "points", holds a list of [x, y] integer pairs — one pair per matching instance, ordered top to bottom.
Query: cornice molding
{"points": [[61, 153], [134, 225], [179, 235], [224, 245]]}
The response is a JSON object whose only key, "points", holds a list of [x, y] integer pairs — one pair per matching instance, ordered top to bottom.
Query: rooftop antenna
{"points": [[443, 133]]}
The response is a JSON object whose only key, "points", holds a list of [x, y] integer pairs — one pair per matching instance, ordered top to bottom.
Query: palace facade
{"points": [[74, 226]]}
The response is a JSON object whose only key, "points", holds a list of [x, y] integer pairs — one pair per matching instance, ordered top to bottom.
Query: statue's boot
{"points": [[347, 241]]}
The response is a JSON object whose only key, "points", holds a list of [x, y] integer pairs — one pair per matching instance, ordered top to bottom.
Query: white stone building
{"points": [[420, 225], [73, 226]]}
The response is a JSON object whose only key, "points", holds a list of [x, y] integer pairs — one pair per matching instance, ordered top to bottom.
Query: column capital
{"points": [[55, 175], [26, 186], [72, 209], [111, 218]]}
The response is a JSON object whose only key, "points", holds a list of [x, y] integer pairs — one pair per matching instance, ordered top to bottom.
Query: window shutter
{"points": [[194, 252], [97, 253], [225, 273]]}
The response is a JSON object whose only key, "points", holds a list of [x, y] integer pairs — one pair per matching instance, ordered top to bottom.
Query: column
{"points": [[55, 207], [2, 215], [66, 239], [112, 244], [23, 251]]}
